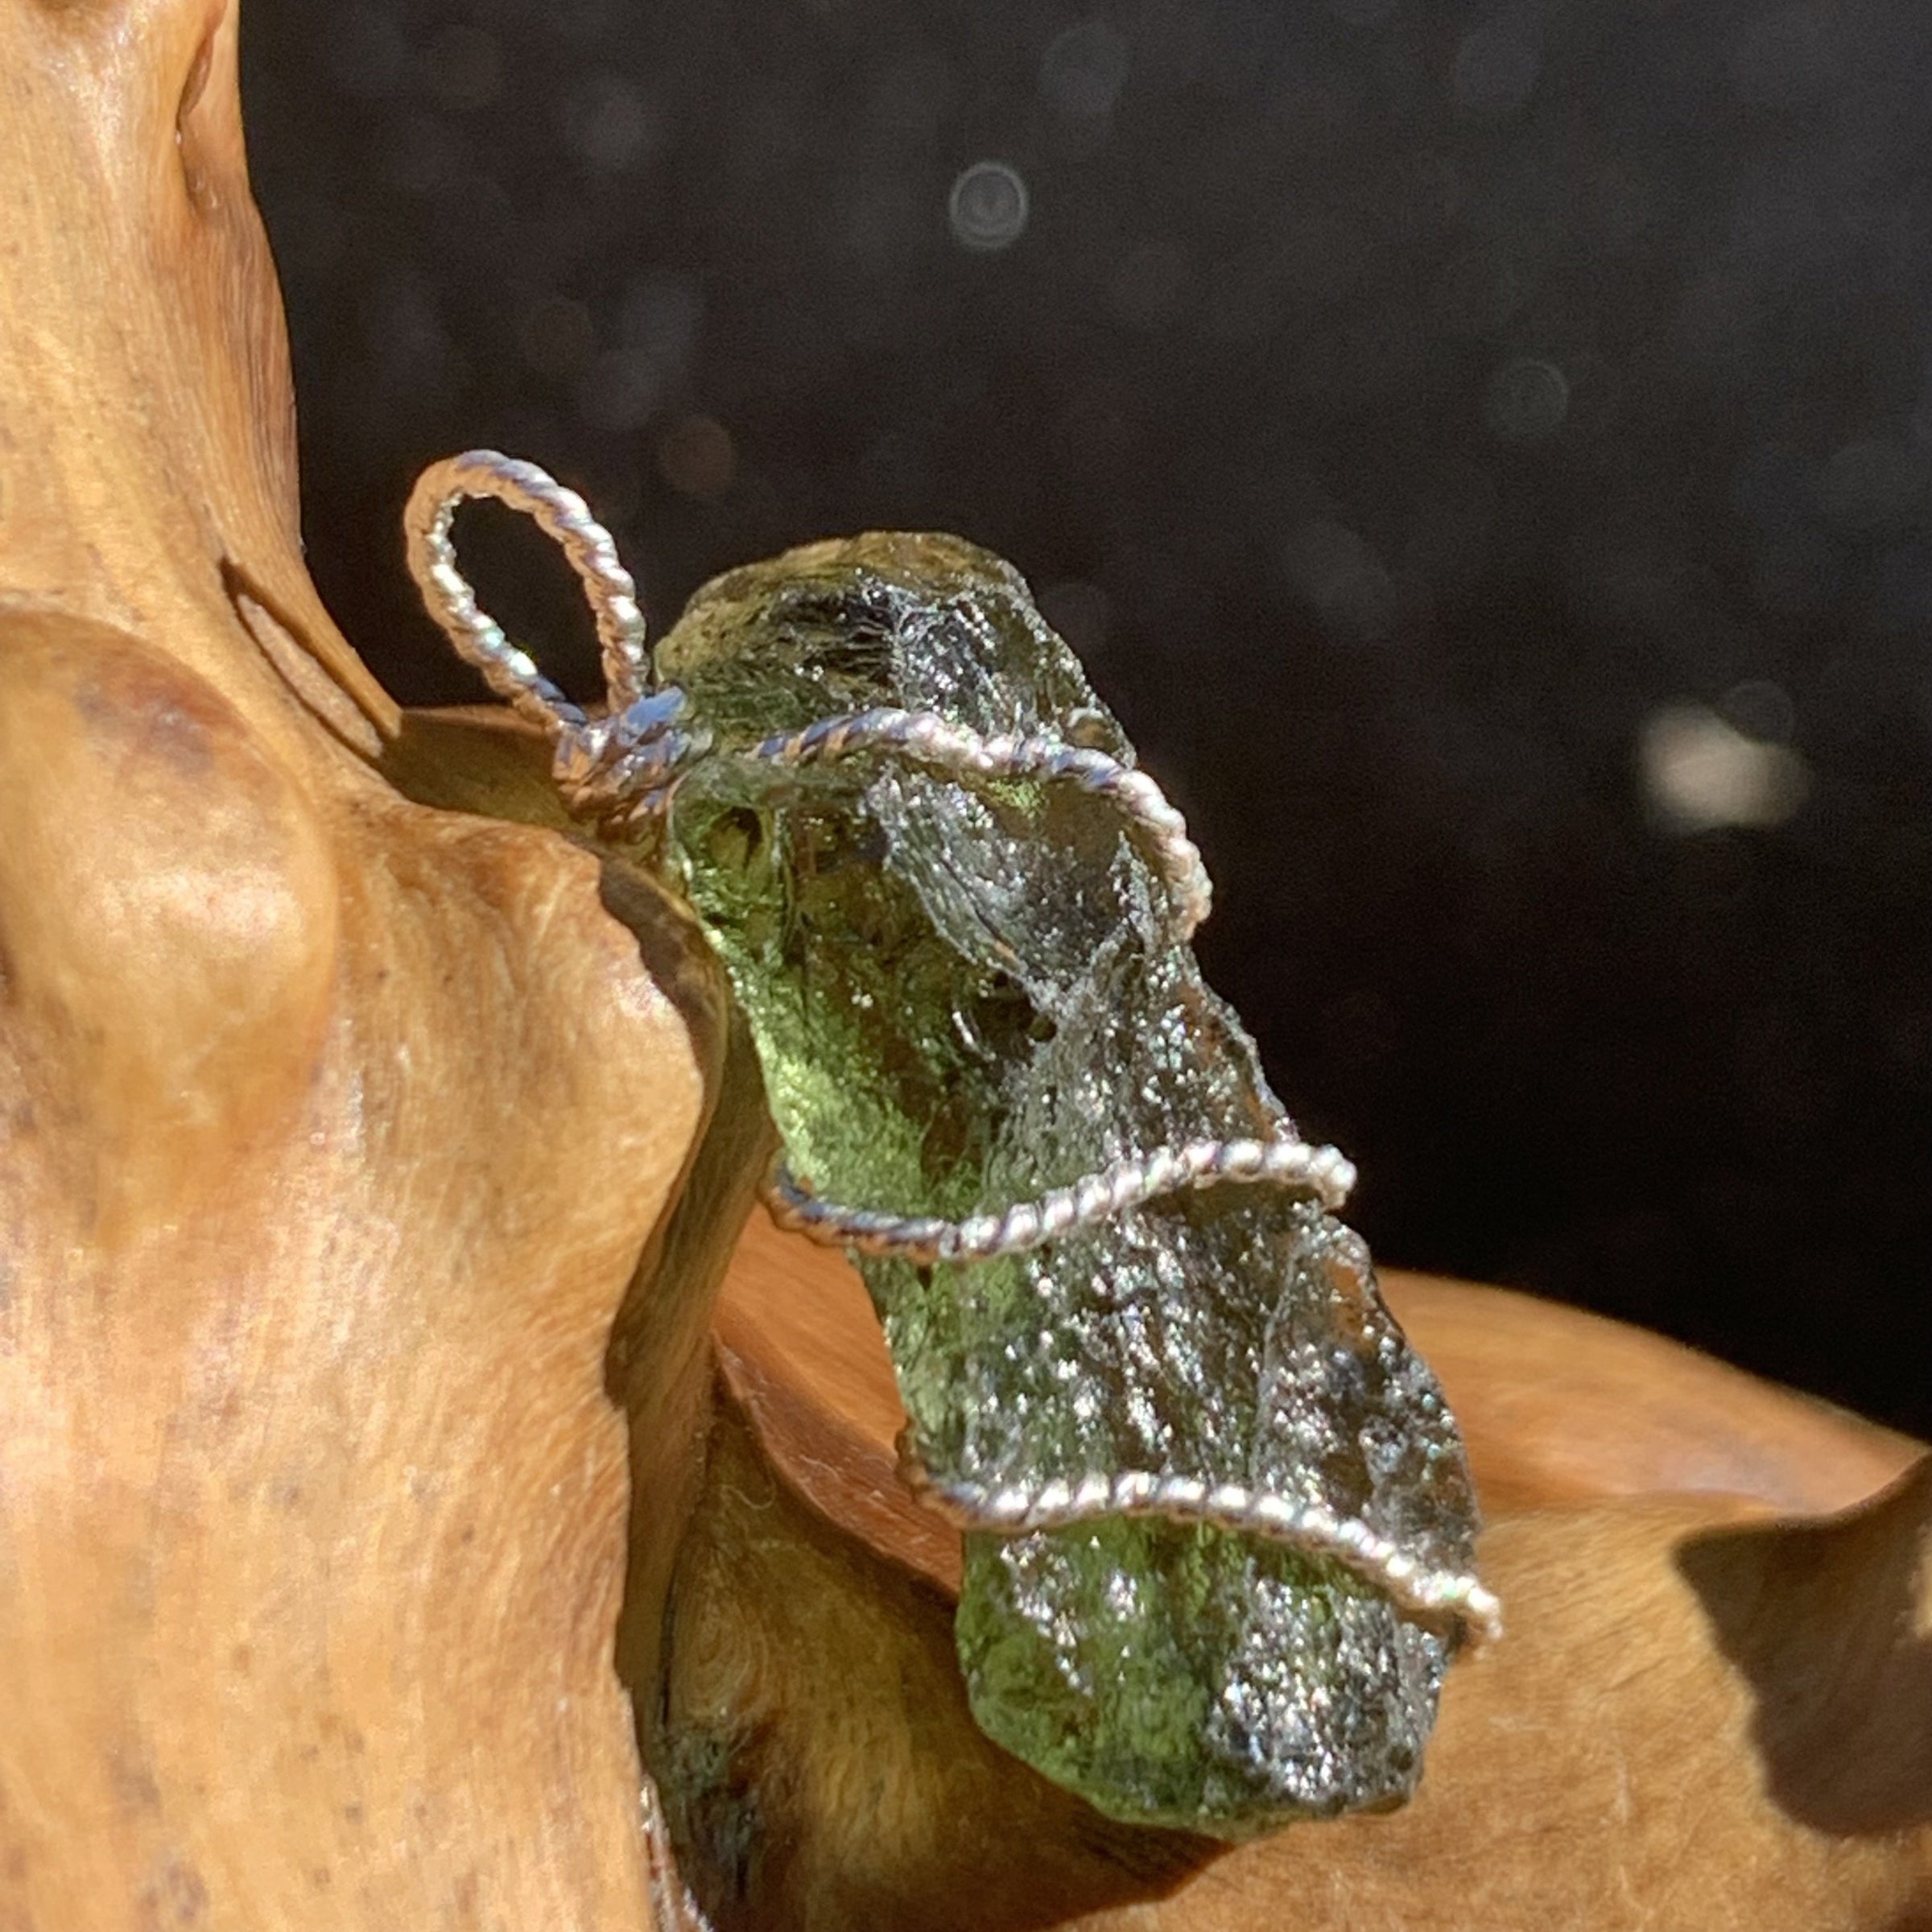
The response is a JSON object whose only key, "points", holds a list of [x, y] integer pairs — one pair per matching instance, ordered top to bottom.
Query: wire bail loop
{"points": [[605, 759]]}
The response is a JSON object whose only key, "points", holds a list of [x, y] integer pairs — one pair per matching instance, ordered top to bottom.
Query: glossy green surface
{"points": [[961, 997]]}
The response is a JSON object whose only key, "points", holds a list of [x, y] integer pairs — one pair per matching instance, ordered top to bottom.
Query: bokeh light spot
{"points": [[1083, 71], [607, 123], [988, 207], [1527, 398], [696, 457], [1338, 571], [1700, 772]]}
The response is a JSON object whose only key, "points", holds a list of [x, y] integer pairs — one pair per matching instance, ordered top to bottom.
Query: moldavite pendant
{"points": [[1218, 1523]]}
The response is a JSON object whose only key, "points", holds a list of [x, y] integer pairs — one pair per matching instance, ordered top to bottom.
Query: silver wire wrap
{"points": [[563, 517], [925, 738], [602, 761], [623, 764], [1131, 1182], [1310, 1528]]}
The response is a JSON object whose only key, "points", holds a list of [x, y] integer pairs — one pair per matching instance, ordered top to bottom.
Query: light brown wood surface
{"points": [[333, 1128], [370, 1154], [1558, 1406], [1712, 1705]]}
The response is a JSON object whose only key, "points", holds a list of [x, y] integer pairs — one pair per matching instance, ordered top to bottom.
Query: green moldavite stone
{"points": [[961, 998]]}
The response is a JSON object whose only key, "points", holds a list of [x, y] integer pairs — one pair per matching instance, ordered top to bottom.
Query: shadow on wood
{"points": [[332, 1127], [1830, 1624], [1682, 1679]]}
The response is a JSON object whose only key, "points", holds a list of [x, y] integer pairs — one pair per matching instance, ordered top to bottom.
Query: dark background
{"points": [[1484, 454]]}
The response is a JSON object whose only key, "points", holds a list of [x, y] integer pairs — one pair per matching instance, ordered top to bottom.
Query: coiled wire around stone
{"points": [[620, 765]]}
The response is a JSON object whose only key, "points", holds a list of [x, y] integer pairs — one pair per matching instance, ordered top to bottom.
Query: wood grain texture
{"points": [[333, 1128], [370, 1153], [1708, 1709]]}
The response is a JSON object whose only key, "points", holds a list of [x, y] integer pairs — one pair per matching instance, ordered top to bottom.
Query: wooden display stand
{"points": [[370, 1422]]}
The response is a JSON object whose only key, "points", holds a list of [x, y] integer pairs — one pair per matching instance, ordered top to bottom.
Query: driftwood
{"points": [[331, 1128], [362, 1441], [1701, 1714]]}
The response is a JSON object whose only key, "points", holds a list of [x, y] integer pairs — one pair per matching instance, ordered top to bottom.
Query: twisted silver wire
{"points": [[563, 517], [925, 738], [632, 745], [589, 757], [623, 765], [1108, 1192], [1310, 1528]]}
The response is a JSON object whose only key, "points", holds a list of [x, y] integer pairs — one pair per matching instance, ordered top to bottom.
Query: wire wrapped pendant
{"points": [[1218, 1525]]}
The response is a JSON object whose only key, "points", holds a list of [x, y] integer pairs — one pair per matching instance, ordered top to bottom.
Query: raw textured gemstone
{"points": [[963, 996]]}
